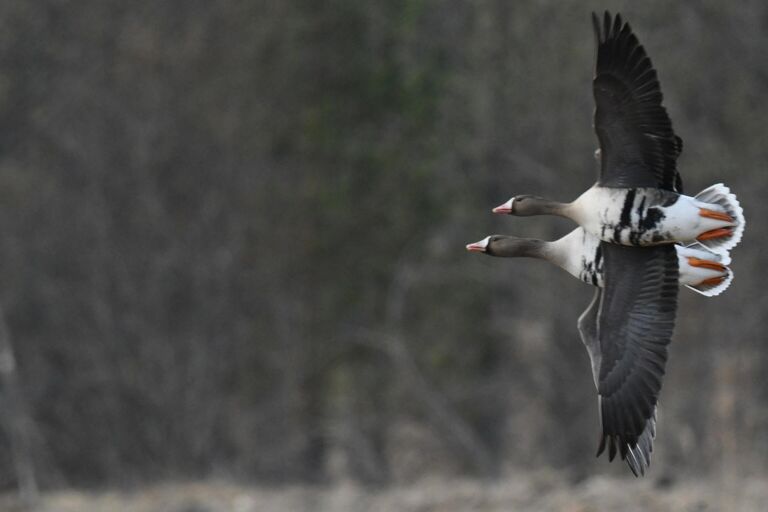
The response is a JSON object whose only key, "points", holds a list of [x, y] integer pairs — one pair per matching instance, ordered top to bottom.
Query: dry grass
{"points": [[540, 492]]}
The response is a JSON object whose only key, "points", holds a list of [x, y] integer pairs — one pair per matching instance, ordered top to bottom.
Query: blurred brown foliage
{"points": [[232, 235]]}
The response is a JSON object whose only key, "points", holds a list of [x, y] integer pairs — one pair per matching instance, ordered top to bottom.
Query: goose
{"points": [[638, 198], [580, 254], [628, 324]]}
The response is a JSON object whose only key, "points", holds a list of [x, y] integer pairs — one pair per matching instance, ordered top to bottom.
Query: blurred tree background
{"points": [[233, 237]]}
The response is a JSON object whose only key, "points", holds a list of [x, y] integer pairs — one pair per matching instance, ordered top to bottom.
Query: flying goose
{"points": [[638, 198], [581, 254], [628, 325]]}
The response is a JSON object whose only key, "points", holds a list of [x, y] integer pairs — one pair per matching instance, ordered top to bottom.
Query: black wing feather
{"points": [[637, 144], [635, 324], [626, 330]]}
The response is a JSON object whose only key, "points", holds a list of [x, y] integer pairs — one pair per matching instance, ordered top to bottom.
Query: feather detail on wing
{"points": [[638, 147], [626, 330]]}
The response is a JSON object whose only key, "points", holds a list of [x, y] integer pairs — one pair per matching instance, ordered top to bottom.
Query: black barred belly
{"points": [[640, 221], [592, 268]]}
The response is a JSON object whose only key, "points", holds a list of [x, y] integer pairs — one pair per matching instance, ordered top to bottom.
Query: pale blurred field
{"points": [[517, 492]]}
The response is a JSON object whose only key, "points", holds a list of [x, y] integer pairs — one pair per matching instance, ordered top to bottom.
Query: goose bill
{"points": [[504, 208], [480, 246]]}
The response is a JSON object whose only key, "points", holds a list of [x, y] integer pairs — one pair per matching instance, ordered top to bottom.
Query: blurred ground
{"points": [[518, 492]]}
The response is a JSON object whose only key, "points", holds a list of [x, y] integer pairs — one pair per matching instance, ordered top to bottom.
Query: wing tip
{"points": [[617, 25], [611, 26], [602, 30], [601, 446], [635, 450]]}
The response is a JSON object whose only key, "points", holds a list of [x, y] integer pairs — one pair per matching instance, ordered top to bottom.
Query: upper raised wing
{"points": [[638, 147]]}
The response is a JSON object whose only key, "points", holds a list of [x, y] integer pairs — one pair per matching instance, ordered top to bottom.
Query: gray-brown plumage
{"points": [[638, 147], [626, 330]]}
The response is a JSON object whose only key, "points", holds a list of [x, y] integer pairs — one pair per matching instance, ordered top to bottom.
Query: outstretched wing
{"points": [[638, 147], [635, 321], [638, 455]]}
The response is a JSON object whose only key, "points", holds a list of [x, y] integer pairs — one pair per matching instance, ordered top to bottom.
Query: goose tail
{"points": [[722, 196], [704, 271]]}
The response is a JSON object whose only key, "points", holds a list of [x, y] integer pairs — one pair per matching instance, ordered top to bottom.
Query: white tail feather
{"points": [[721, 195], [703, 252], [695, 277], [709, 290]]}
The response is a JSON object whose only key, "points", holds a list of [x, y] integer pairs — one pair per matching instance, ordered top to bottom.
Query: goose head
{"points": [[523, 206], [507, 246]]}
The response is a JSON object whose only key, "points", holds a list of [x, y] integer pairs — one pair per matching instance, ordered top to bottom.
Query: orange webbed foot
{"points": [[712, 214], [715, 233], [712, 265], [712, 281]]}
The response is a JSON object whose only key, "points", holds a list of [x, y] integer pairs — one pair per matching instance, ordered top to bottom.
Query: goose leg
{"points": [[712, 214], [715, 233], [712, 265]]}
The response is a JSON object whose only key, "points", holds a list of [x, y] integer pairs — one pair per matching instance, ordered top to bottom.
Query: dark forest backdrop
{"points": [[232, 237]]}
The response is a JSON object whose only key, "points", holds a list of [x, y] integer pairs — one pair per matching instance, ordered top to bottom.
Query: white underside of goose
{"points": [[649, 216], [578, 254], [701, 270]]}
